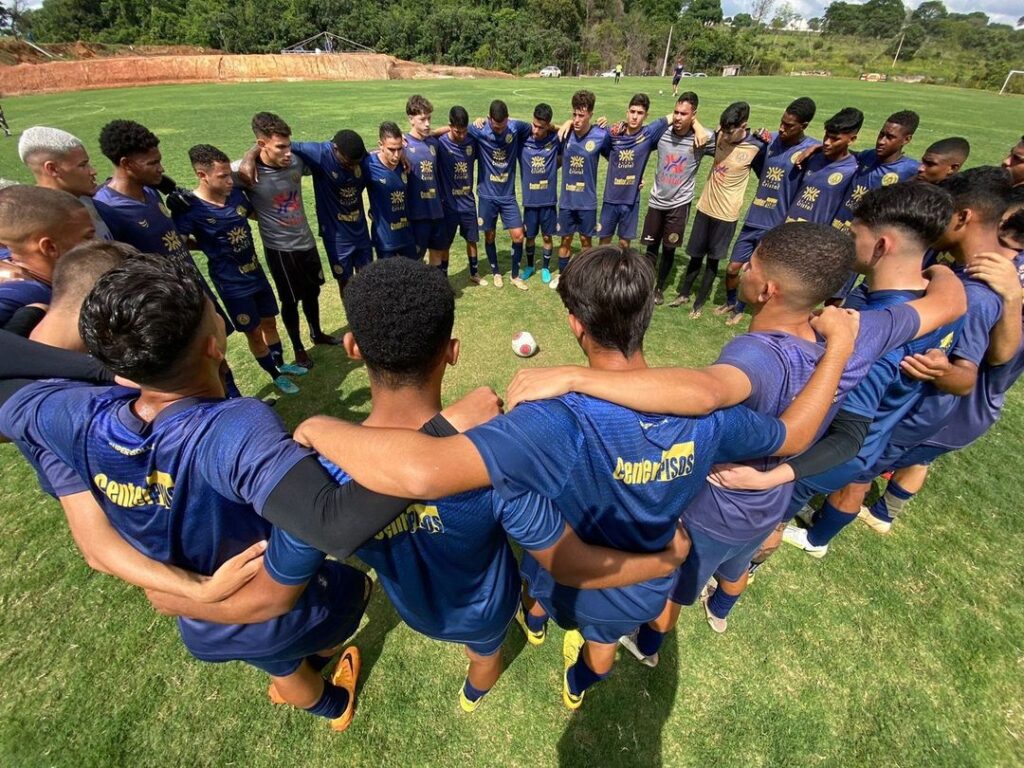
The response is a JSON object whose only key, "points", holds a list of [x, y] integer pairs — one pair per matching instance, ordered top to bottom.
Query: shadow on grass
{"points": [[381, 619]]}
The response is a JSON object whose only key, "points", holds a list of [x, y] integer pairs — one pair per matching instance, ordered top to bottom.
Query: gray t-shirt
{"points": [[677, 170], [277, 198], [102, 230]]}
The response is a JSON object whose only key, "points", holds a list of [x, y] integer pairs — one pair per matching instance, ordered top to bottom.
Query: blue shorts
{"points": [[490, 208], [621, 217], [541, 220], [464, 221], [572, 222], [428, 234], [745, 244], [409, 251], [346, 257], [247, 311], [901, 457], [802, 493], [709, 557], [480, 647]]}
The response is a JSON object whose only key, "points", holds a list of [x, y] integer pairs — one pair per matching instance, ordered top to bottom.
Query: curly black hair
{"points": [[803, 109], [846, 120], [124, 138], [205, 155], [921, 209]]}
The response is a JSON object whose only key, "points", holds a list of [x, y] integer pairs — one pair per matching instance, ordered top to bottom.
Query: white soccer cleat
{"points": [[499, 281], [519, 283], [553, 285], [877, 525], [798, 538], [719, 625], [629, 643]]}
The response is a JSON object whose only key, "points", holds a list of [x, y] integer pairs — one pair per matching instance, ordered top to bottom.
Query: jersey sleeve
{"points": [[523, 129], [656, 129], [310, 152], [183, 223], [983, 311], [884, 329], [761, 366], [865, 398], [746, 434], [529, 449], [530, 520], [291, 561]]}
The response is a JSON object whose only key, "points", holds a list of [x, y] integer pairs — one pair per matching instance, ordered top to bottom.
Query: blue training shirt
{"points": [[580, 156], [627, 160], [538, 164], [455, 165], [496, 170], [872, 174], [778, 180], [822, 189], [387, 190], [338, 192], [424, 199], [146, 225]]}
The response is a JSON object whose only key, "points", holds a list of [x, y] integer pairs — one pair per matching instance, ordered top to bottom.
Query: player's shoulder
{"points": [[238, 415]]}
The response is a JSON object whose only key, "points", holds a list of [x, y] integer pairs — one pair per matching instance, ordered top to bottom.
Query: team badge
{"points": [[508, 138], [590, 146], [433, 151], [469, 151], [357, 172], [334, 174], [405, 178], [835, 178], [890, 178], [164, 211], [242, 211], [480, 221], [673, 238], [337, 269], [242, 319]]}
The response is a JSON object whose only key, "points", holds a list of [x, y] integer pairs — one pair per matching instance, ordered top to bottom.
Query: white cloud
{"points": [[1001, 11]]}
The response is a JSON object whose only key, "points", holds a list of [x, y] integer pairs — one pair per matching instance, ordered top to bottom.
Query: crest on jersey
{"points": [[508, 138], [590, 146], [433, 150], [469, 151], [357, 172], [774, 174], [405, 178], [835, 178], [890, 178], [810, 195], [164, 211], [242, 211], [673, 238], [243, 319]]}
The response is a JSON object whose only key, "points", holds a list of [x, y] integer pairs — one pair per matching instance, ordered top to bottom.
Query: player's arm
{"points": [[247, 166], [1001, 276], [944, 300], [22, 358], [954, 375], [261, 599]]}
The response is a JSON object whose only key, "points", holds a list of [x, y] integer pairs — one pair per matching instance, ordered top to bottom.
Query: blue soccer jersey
{"points": [[580, 156], [627, 160], [538, 164], [455, 166], [496, 171], [872, 174], [779, 178], [822, 189], [387, 190], [338, 193], [424, 199], [146, 225], [223, 234], [15, 294], [620, 478]]}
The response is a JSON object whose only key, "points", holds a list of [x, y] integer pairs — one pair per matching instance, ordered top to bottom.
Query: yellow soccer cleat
{"points": [[533, 638], [572, 644], [346, 674]]}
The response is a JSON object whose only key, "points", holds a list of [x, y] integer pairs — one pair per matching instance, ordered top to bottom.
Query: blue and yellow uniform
{"points": [[627, 159], [455, 163], [538, 164], [496, 173], [387, 189], [822, 189], [577, 202], [426, 216]]}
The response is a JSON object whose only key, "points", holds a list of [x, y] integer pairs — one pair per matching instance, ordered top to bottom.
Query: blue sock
{"points": [[531, 253], [546, 255], [492, 256], [517, 257], [563, 263], [444, 266], [474, 266], [730, 295], [740, 306], [277, 350], [267, 364], [230, 388], [891, 502], [828, 524], [720, 603], [535, 623], [649, 640], [318, 662], [581, 676], [473, 694], [332, 702]]}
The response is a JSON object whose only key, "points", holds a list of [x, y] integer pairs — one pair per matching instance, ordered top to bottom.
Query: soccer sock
{"points": [[651, 253], [531, 254], [546, 255], [492, 256], [517, 257], [668, 260], [563, 263], [443, 266], [474, 266], [692, 269], [710, 273], [730, 296], [738, 307], [311, 309], [290, 318], [277, 352], [267, 364], [230, 388], [891, 502], [828, 524], [720, 603], [535, 623], [649, 640], [318, 662], [581, 676], [471, 693], [332, 702]]}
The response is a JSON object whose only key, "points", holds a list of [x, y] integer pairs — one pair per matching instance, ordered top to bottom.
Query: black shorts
{"points": [[665, 227], [710, 237], [297, 275]]}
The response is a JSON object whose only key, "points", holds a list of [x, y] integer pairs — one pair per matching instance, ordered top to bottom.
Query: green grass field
{"points": [[900, 651]]}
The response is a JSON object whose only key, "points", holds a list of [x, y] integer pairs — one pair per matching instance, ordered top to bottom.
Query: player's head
{"points": [[419, 109], [582, 109], [637, 111], [685, 112], [497, 115], [542, 115], [795, 119], [733, 122], [458, 124], [841, 131], [897, 132], [274, 138], [391, 143], [349, 148], [134, 150], [942, 159], [58, 160], [1014, 162], [212, 167], [980, 198], [899, 221], [40, 224], [1011, 232], [800, 264], [77, 272], [609, 292], [401, 313], [148, 320]]}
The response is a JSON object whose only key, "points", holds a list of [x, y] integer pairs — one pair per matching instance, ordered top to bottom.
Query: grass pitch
{"points": [[902, 651]]}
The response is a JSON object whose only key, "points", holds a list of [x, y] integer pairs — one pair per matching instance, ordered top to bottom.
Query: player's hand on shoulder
{"points": [[602, 122], [479, 123], [618, 128], [763, 134], [802, 157], [180, 200], [998, 272], [838, 326], [927, 366], [539, 384], [479, 406], [740, 477], [233, 574]]}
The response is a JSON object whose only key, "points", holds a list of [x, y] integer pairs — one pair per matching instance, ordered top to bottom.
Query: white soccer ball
{"points": [[661, 93], [523, 344]]}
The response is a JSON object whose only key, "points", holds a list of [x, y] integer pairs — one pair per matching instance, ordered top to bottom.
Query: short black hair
{"points": [[689, 97], [584, 100], [640, 100], [418, 105], [803, 109], [498, 110], [543, 112], [735, 115], [458, 117], [906, 119], [846, 120], [267, 124], [389, 130], [124, 138], [350, 144], [954, 145], [205, 155], [986, 190], [915, 207], [34, 211], [1012, 226], [811, 261], [77, 271], [610, 290], [401, 313], [142, 317]]}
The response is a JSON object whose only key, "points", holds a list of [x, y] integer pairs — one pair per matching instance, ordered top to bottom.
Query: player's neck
{"points": [[582, 131], [417, 135], [794, 141], [889, 159], [124, 184], [205, 193], [980, 240], [898, 272], [776, 317], [59, 329], [602, 359], [152, 402], [406, 407]]}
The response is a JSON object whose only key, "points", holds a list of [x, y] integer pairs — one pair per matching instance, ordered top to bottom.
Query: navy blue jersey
{"points": [[580, 156], [627, 161], [538, 163], [455, 166], [496, 171], [872, 174], [779, 178], [387, 189], [822, 189], [338, 192], [424, 198], [146, 225], [223, 234], [15, 294], [620, 478]]}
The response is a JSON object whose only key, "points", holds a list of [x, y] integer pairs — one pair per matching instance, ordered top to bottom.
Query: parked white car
{"points": [[551, 72], [609, 73]]}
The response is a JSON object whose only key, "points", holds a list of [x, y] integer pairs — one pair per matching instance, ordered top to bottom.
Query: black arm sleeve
{"points": [[25, 320], [26, 359], [839, 444], [336, 519]]}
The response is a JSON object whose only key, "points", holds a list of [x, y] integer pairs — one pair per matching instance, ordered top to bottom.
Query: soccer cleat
{"points": [[527, 273], [545, 275], [477, 280], [499, 281], [520, 284], [553, 285], [659, 297], [679, 300], [724, 309], [695, 313], [735, 318], [326, 340], [303, 360], [293, 369], [285, 385], [876, 524], [798, 538], [717, 624], [533, 638], [629, 643], [572, 644], [346, 674], [274, 696], [465, 704]]}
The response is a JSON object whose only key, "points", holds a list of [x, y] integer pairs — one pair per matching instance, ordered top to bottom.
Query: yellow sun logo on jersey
{"points": [[590, 146], [500, 156], [626, 156], [576, 163], [537, 164], [426, 167], [461, 168], [774, 174], [835, 178], [890, 178], [858, 192], [810, 195], [398, 197], [238, 237], [171, 241]]}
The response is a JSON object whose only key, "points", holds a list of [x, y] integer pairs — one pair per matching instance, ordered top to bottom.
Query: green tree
{"points": [[704, 11], [842, 18], [882, 18], [742, 21]]}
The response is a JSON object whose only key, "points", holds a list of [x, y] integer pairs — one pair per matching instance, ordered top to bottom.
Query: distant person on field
{"points": [[618, 73], [677, 75]]}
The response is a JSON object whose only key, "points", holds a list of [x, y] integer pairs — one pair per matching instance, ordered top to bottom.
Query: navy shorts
{"points": [[490, 208], [621, 217], [541, 220], [464, 221], [573, 222], [428, 233], [709, 237], [745, 244], [409, 251], [344, 258], [247, 311], [901, 457], [710, 556], [487, 647]]}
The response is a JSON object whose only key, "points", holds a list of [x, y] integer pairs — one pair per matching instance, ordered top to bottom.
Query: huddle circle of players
{"points": [[174, 482]]}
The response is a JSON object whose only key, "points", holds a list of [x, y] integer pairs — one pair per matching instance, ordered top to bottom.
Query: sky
{"points": [[1001, 11]]}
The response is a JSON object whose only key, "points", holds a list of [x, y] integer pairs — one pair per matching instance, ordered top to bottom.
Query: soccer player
{"points": [[618, 73], [677, 75], [456, 153], [627, 159], [942, 159], [59, 160], [539, 160], [1014, 163], [827, 175], [778, 177], [387, 186], [577, 203], [719, 205], [668, 206], [426, 216], [218, 220], [38, 225], [619, 477]]}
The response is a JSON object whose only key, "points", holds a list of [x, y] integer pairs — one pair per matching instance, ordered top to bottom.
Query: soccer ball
{"points": [[661, 93], [523, 344]]}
